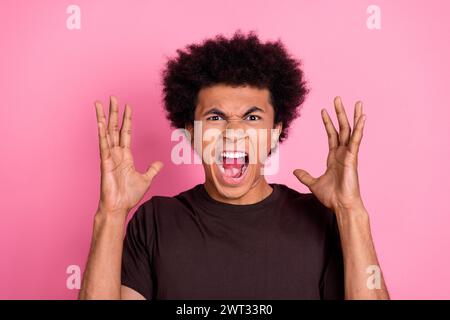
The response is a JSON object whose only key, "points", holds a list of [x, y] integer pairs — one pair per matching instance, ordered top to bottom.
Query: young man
{"points": [[235, 236]]}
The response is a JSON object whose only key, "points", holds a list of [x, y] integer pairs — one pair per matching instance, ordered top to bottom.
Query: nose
{"points": [[234, 131]]}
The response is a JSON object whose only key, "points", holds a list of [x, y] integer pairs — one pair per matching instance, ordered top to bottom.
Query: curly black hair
{"points": [[241, 60]]}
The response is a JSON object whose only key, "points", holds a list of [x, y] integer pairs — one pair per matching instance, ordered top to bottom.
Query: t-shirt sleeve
{"points": [[136, 256], [332, 285]]}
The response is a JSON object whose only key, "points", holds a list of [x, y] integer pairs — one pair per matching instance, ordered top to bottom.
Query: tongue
{"points": [[232, 168], [233, 171]]}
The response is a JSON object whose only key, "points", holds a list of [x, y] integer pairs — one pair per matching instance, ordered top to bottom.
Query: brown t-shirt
{"points": [[191, 246]]}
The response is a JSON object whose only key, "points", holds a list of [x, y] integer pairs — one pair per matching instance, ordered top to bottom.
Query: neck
{"points": [[257, 192]]}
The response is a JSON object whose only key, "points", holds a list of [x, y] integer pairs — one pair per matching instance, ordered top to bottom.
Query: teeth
{"points": [[231, 154]]}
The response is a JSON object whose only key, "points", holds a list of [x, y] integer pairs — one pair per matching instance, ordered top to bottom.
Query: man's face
{"points": [[236, 132]]}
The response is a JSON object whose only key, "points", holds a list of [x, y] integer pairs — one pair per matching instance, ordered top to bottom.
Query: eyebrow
{"points": [[221, 113]]}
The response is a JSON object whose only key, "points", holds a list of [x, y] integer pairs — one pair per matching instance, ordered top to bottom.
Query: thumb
{"points": [[153, 170], [304, 177]]}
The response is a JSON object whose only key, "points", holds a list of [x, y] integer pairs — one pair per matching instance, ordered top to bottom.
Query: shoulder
{"points": [[166, 204], [305, 204]]}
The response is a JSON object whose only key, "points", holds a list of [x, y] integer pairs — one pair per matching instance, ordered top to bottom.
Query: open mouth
{"points": [[233, 165]]}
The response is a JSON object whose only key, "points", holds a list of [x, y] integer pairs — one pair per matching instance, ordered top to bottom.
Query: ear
{"points": [[190, 128], [276, 134]]}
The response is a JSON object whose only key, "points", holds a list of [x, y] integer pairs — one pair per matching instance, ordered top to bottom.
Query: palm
{"points": [[338, 186], [122, 187]]}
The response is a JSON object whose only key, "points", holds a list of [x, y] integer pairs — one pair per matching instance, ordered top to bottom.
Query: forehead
{"points": [[232, 99]]}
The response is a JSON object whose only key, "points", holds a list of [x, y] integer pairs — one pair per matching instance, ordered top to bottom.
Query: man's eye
{"points": [[253, 117], [214, 118]]}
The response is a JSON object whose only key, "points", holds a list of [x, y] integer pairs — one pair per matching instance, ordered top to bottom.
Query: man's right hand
{"points": [[122, 187]]}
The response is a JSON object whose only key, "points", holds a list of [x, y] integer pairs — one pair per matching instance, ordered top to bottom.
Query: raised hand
{"points": [[122, 187], [338, 187]]}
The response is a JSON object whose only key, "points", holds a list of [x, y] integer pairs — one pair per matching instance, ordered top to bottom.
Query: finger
{"points": [[99, 112], [357, 113], [101, 118], [113, 122], [101, 125], [344, 126], [331, 130], [125, 131], [357, 135], [103, 143], [153, 170], [304, 177]]}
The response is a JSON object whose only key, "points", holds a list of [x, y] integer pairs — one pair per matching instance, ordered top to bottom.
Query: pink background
{"points": [[50, 76]]}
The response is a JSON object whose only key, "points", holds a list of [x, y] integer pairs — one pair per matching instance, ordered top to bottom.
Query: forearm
{"points": [[359, 255], [101, 278]]}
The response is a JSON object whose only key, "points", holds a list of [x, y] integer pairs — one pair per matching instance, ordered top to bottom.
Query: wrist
{"points": [[355, 205], [353, 213], [110, 216]]}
